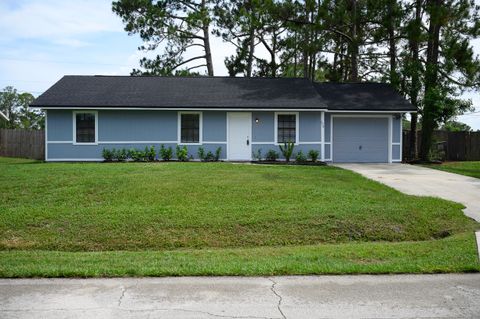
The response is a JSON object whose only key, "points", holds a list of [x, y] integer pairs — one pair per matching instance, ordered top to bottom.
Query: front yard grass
{"points": [[471, 169], [137, 219]]}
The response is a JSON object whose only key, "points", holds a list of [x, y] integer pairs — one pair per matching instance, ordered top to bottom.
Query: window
{"points": [[85, 127], [190, 128], [286, 128]]}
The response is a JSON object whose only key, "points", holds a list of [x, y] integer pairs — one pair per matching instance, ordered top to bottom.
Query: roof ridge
{"points": [[187, 76]]}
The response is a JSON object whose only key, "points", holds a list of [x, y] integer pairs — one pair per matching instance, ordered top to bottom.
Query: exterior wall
{"points": [[129, 129], [137, 129], [309, 132]]}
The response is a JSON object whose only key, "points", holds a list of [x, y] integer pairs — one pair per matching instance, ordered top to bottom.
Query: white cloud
{"points": [[58, 21]]}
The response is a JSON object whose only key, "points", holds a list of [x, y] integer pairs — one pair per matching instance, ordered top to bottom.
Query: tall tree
{"points": [[238, 23], [177, 27], [450, 64], [413, 70], [16, 105]]}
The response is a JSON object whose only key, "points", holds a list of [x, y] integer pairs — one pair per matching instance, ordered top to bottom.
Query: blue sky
{"points": [[42, 40]]}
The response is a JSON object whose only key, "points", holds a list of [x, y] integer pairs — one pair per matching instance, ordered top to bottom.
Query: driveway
{"points": [[417, 180], [400, 296]]}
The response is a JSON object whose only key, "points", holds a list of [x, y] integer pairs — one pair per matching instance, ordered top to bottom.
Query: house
{"points": [[355, 122]]}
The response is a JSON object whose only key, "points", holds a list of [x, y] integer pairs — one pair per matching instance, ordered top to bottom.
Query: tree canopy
{"points": [[423, 48], [15, 106]]}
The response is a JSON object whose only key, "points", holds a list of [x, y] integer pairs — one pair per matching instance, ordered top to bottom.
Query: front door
{"points": [[239, 136]]}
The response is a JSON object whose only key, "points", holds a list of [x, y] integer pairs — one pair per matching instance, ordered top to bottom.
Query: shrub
{"points": [[287, 150], [218, 152], [150, 153], [166, 153], [182, 153], [201, 153], [107, 155], [120, 155], [136, 155], [257, 155], [271, 155], [313, 155], [209, 157], [301, 158]]}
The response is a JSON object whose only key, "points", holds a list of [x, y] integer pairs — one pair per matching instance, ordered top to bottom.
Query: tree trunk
{"points": [[206, 41], [353, 43], [392, 44], [251, 48], [431, 78], [415, 86]]}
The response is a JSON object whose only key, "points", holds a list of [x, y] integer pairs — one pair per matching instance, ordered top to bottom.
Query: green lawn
{"points": [[464, 168], [90, 219]]}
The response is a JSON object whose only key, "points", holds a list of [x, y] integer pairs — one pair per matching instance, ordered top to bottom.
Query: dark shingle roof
{"points": [[181, 92], [219, 92], [362, 97]]}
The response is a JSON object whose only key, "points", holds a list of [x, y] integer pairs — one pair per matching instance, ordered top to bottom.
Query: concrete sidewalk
{"points": [[422, 181], [399, 296]]}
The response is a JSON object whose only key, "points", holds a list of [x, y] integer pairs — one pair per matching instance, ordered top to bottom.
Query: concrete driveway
{"points": [[417, 180], [402, 296]]}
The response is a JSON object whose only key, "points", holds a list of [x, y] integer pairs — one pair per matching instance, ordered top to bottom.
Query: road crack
{"points": [[121, 296], [280, 299]]}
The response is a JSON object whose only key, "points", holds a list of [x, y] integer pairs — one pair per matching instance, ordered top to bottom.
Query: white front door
{"points": [[239, 136]]}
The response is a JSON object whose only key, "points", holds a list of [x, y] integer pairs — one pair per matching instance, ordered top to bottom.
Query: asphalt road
{"points": [[396, 296]]}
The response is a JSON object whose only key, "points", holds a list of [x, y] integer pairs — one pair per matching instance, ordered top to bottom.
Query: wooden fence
{"points": [[22, 143], [451, 146]]}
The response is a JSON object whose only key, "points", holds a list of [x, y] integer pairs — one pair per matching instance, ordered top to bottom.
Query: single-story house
{"points": [[354, 122]]}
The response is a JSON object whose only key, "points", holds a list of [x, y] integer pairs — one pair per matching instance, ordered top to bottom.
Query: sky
{"points": [[42, 40]]}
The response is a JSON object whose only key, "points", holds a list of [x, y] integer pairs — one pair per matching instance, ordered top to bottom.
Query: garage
{"points": [[360, 139]]}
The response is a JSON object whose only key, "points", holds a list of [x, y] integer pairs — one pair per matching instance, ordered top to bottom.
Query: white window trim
{"points": [[74, 119], [297, 126], [200, 128]]}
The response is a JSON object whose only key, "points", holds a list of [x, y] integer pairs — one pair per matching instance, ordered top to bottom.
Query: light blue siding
{"points": [[396, 122], [60, 125], [137, 126], [214, 126], [157, 127], [327, 127], [310, 129], [263, 131], [360, 139], [305, 148], [89, 152], [396, 152], [328, 156]]}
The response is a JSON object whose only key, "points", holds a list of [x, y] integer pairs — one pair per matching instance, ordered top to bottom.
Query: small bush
{"points": [[287, 150], [218, 152], [150, 153], [166, 153], [182, 153], [201, 153], [107, 155], [120, 155], [136, 155], [257, 155], [271, 155], [313, 155], [209, 157], [301, 158]]}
